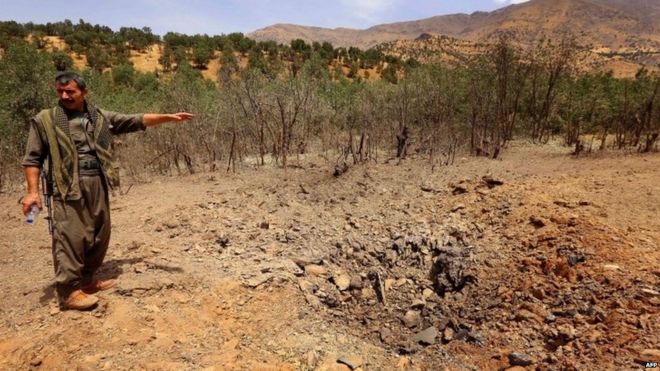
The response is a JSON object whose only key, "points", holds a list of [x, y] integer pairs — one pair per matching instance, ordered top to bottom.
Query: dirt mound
{"points": [[533, 261], [539, 289]]}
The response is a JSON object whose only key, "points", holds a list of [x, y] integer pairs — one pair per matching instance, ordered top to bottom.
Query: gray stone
{"points": [[574, 260], [302, 262], [258, 280], [146, 282], [356, 283], [313, 301], [462, 334], [385, 335], [426, 337], [519, 359], [352, 362]]}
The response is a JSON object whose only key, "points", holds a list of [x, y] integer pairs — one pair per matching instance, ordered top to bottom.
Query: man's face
{"points": [[71, 97]]}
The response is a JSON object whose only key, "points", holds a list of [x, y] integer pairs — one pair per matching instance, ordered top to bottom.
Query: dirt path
{"points": [[556, 267]]}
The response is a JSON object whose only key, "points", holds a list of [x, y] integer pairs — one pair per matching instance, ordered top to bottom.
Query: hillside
{"points": [[607, 23], [609, 26], [613, 35], [433, 48]]}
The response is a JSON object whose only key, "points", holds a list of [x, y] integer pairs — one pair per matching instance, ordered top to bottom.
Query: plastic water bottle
{"points": [[32, 215]]}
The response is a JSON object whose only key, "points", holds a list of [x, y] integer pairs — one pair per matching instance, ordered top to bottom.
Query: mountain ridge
{"points": [[598, 23]]}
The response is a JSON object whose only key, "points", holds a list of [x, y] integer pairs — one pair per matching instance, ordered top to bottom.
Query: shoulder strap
{"points": [[61, 178]]}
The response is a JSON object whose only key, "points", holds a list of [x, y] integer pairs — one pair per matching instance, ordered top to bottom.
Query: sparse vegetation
{"points": [[291, 98]]}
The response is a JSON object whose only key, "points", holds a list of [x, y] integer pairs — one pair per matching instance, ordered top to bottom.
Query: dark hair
{"points": [[65, 77]]}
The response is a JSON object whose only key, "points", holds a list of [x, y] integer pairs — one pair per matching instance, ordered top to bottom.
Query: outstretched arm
{"points": [[154, 119]]}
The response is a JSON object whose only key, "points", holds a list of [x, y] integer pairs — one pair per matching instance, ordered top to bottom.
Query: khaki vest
{"points": [[64, 155]]}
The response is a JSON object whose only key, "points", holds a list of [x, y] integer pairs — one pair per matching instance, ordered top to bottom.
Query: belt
{"points": [[89, 166]]}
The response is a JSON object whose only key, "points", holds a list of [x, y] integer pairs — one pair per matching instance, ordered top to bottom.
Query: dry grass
{"points": [[147, 61]]}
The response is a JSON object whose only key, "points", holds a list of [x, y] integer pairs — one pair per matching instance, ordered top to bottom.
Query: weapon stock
{"points": [[47, 189]]}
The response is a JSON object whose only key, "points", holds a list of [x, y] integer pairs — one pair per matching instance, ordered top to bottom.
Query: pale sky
{"points": [[226, 16]]}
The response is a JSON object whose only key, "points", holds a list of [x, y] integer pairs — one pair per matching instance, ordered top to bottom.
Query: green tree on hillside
{"points": [[137, 39], [175, 39], [241, 43], [301, 48], [202, 54], [371, 57], [98, 59], [61, 60], [166, 60], [257, 61], [228, 65], [123, 74], [389, 74], [26, 76], [146, 83], [26, 88]]}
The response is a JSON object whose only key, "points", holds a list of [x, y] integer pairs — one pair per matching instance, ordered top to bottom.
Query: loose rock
{"points": [[492, 182], [458, 190], [537, 222], [315, 270], [341, 280], [356, 283], [427, 294], [418, 304], [412, 318], [448, 334], [426, 337], [519, 359], [352, 362]]}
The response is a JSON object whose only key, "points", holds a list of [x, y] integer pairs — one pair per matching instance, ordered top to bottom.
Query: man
{"points": [[75, 137]]}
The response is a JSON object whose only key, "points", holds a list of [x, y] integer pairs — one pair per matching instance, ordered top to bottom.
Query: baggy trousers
{"points": [[81, 235]]}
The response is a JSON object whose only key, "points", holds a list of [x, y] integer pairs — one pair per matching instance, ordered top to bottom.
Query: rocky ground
{"points": [[535, 261]]}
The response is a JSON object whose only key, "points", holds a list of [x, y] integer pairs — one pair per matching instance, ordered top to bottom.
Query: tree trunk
{"points": [[402, 143]]}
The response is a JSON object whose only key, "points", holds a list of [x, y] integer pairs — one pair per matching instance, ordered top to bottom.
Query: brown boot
{"points": [[98, 285], [78, 300]]}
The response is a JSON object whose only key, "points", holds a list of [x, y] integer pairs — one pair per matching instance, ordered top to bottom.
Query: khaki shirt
{"points": [[80, 128]]}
